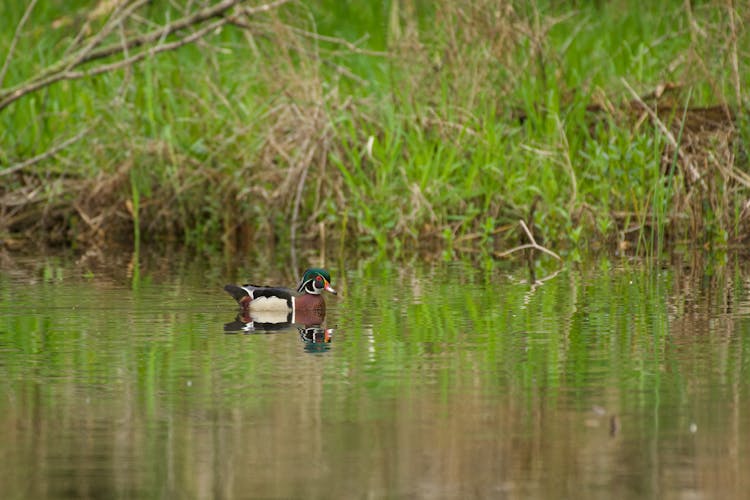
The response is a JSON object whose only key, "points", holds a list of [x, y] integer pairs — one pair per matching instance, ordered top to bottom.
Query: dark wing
{"points": [[238, 293]]}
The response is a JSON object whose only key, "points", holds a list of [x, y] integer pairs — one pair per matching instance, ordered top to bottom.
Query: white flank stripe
{"points": [[269, 304], [270, 316]]}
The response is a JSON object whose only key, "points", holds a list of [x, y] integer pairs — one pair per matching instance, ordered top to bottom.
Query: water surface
{"points": [[610, 380]]}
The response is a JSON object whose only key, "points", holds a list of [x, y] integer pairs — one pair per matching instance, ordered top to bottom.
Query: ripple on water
{"points": [[438, 380]]}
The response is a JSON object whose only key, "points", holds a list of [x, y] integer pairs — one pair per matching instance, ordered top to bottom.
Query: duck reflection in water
{"points": [[267, 309], [265, 321], [310, 327], [315, 337]]}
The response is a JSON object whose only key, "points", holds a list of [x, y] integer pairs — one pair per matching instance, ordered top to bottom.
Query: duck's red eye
{"points": [[318, 279]]}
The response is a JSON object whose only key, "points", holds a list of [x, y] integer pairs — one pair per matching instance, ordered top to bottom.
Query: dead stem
{"points": [[16, 35], [733, 53], [63, 70], [47, 154], [692, 171], [534, 245]]}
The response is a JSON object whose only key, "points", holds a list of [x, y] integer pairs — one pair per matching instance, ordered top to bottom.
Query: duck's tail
{"points": [[237, 292]]}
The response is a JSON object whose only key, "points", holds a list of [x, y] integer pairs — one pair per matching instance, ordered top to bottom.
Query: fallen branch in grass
{"points": [[188, 21], [16, 35], [150, 43], [129, 61], [47, 154], [534, 245]]}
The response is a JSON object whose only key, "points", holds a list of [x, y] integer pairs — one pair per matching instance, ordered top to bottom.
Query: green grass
{"points": [[444, 144]]}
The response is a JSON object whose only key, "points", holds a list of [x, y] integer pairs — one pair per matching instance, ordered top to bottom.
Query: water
{"points": [[611, 380]]}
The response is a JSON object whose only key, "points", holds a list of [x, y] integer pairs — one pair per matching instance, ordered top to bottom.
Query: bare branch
{"points": [[115, 20], [179, 24], [13, 43], [62, 70], [74, 75], [47, 154], [533, 244]]}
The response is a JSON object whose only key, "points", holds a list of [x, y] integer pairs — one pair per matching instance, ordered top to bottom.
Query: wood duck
{"points": [[271, 300]]}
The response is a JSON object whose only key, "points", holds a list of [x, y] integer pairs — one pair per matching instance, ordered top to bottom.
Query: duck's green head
{"points": [[314, 281]]}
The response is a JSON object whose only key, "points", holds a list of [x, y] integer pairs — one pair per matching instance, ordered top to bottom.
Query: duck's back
{"points": [[262, 298]]}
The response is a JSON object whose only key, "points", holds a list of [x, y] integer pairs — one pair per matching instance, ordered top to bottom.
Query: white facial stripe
{"points": [[309, 287]]}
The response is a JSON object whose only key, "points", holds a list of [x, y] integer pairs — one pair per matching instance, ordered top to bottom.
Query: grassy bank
{"points": [[392, 127]]}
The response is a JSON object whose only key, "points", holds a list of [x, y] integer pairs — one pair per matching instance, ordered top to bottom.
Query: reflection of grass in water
{"points": [[422, 149], [496, 334], [424, 358]]}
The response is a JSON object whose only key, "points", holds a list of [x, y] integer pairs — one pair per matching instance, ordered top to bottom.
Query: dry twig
{"points": [[153, 41], [13, 43], [47, 154], [692, 171], [533, 244]]}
